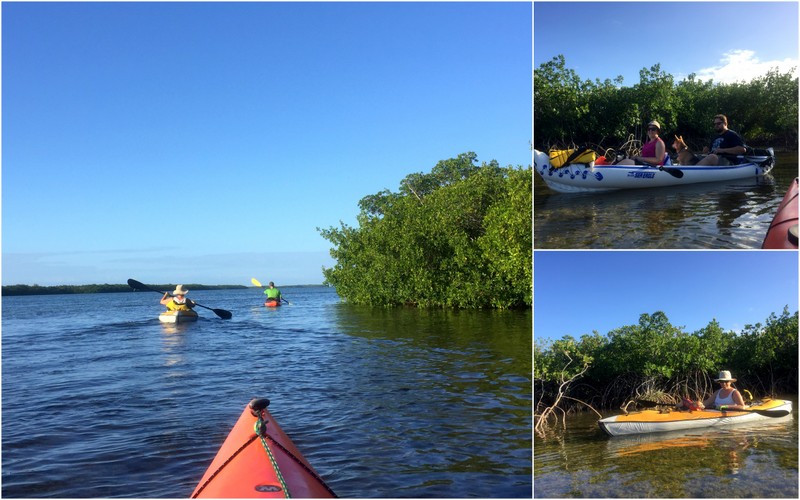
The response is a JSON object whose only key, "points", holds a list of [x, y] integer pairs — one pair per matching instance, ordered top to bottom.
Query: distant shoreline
{"points": [[15, 290]]}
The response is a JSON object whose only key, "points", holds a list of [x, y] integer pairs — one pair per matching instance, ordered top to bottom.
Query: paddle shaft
{"points": [[222, 313]]}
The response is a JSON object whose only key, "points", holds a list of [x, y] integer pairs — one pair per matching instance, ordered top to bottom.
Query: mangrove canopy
{"points": [[568, 109], [459, 236], [604, 371]]}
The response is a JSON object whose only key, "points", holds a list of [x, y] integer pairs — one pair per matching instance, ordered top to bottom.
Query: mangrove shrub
{"points": [[568, 109], [457, 237], [658, 355]]}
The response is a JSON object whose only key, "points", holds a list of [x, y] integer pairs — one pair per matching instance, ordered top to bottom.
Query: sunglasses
{"points": [[719, 123], [651, 129]]}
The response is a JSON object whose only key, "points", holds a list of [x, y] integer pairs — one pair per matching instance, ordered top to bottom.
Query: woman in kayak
{"points": [[654, 150], [178, 301], [727, 397]]}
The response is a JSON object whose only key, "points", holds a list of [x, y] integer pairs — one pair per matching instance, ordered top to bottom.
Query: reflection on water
{"points": [[734, 214], [733, 462]]}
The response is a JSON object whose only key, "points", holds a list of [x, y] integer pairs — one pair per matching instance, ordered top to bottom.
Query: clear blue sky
{"points": [[723, 41], [206, 142], [577, 292]]}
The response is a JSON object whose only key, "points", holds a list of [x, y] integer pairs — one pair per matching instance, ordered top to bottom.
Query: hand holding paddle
{"points": [[222, 313]]}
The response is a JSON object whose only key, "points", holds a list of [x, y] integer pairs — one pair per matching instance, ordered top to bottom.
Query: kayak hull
{"points": [[583, 178], [782, 232], [272, 303], [177, 316], [649, 421], [243, 468]]}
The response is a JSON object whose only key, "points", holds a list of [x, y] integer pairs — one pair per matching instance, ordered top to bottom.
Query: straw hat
{"points": [[654, 124], [179, 290], [725, 376]]}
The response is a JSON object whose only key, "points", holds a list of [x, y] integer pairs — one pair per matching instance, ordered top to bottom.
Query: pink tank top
{"points": [[649, 150]]}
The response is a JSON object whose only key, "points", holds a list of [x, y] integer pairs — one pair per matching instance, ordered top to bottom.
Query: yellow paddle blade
{"points": [[256, 283]]}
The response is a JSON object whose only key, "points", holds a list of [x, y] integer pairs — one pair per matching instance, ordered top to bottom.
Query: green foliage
{"points": [[570, 110], [456, 237], [761, 356]]}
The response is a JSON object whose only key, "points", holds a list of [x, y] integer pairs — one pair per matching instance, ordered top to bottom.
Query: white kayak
{"points": [[590, 177], [177, 316], [648, 421]]}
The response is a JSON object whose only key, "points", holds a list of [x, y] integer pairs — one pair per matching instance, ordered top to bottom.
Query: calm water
{"points": [[735, 214], [101, 400], [732, 462]]}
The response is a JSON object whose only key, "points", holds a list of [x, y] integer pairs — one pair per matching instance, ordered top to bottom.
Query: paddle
{"points": [[674, 172], [258, 284], [222, 313], [766, 413]]}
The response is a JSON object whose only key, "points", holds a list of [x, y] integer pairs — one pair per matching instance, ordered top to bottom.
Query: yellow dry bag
{"points": [[563, 157]]}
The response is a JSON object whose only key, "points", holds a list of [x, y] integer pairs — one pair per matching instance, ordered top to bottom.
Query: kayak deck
{"points": [[782, 232], [177, 316], [654, 421], [265, 465]]}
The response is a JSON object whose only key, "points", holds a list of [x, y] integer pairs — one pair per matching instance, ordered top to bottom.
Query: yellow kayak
{"points": [[177, 316], [654, 421]]}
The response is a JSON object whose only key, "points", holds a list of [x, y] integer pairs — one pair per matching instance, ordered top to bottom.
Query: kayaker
{"points": [[727, 142], [654, 150], [272, 293], [178, 300], [726, 397]]}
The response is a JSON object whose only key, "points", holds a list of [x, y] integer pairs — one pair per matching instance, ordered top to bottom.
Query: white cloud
{"points": [[743, 65]]}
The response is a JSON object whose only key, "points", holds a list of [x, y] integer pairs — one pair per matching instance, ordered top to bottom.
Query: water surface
{"points": [[734, 214], [102, 400], [728, 462]]}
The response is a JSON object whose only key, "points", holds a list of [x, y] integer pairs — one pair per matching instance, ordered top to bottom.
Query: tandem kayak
{"points": [[591, 177], [782, 232], [272, 303], [177, 316], [647, 421], [258, 460]]}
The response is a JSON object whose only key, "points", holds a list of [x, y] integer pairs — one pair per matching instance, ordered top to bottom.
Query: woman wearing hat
{"points": [[654, 150], [178, 300], [726, 397]]}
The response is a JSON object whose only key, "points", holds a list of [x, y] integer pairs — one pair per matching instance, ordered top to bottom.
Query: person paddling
{"points": [[272, 293], [178, 300], [726, 397]]}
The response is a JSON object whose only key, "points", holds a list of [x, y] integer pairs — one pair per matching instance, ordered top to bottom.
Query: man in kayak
{"points": [[727, 142], [272, 293], [178, 300], [726, 397]]}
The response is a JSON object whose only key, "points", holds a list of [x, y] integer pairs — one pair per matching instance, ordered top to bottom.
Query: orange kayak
{"points": [[782, 233], [272, 303], [258, 460]]}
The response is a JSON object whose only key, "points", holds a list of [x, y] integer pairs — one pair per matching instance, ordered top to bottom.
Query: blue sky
{"points": [[722, 41], [206, 142], [577, 292]]}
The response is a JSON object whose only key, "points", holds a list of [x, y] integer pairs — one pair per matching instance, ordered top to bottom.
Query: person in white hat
{"points": [[654, 151], [177, 301], [726, 397]]}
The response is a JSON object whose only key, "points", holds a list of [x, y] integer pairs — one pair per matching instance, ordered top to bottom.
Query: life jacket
{"points": [[563, 157], [272, 294], [179, 306], [690, 405]]}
